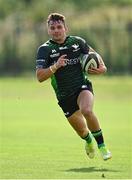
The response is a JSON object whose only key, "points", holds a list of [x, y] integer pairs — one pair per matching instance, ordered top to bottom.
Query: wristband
{"points": [[51, 69]]}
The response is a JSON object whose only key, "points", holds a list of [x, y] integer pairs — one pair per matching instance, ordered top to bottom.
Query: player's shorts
{"points": [[69, 105]]}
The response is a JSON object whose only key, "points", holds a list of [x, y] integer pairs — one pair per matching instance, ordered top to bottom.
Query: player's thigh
{"points": [[85, 100], [79, 124]]}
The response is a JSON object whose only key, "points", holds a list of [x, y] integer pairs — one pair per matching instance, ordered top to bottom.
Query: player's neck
{"points": [[60, 41]]}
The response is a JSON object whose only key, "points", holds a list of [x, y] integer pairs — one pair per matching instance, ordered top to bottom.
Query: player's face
{"points": [[57, 31]]}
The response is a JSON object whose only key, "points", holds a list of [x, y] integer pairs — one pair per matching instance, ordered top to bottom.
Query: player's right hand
{"points": [[62, 61]]}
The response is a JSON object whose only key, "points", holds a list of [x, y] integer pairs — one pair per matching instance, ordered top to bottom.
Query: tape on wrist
{"points": [[55, 66], [52, 70]]}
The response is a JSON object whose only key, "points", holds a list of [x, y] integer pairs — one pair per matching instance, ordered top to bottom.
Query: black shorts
{"points": [[69, 105]]}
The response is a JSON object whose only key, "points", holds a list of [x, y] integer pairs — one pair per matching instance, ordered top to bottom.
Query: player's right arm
{"points": [[43, 70]]}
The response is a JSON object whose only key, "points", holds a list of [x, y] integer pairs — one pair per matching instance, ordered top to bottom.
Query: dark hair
{"points": [[56, 17]]}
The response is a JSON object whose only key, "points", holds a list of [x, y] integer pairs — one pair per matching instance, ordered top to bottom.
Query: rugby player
{"points": [[59, 59]]}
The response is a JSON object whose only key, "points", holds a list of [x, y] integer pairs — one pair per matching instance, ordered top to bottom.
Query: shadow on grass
{"points": [[91, 169]]}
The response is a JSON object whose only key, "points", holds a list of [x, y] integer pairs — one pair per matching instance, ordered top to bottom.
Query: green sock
{"points": [[88, 138]]}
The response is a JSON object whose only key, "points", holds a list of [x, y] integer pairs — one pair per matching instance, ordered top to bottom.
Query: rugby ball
{"points": [[89, 61]]}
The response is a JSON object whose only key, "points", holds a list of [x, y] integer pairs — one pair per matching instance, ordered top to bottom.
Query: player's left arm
{"points": [[85, 48], [102, 67]]}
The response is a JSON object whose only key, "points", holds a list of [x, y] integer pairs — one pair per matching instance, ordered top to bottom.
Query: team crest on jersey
{"points": [[76, 47]]}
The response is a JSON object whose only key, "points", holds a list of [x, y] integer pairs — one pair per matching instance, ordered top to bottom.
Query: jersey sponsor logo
{"points": [[76, 47], [62, 48], [55, 55], [72, 61]]}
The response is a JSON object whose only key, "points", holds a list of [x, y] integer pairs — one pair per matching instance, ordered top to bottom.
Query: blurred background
{"points": [[105, 24], [29, 115]]}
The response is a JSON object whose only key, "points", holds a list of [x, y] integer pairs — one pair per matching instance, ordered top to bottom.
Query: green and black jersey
{"points": [[67, 80]]}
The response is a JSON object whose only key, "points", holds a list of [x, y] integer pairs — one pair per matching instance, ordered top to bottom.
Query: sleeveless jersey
{"points": [[66, 80]]}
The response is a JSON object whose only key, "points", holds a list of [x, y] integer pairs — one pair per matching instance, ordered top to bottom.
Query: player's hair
{"points": [[55, 17]]}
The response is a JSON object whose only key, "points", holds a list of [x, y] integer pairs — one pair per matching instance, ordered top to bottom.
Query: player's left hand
{"points": [[102, 69]]}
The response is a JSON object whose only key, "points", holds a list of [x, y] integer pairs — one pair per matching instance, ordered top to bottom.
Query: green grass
{"points": [[38, 143]]}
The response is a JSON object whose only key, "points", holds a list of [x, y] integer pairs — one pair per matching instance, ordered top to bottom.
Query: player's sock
{"points": [[88, 138], [99, 138], [89, 146], [105, 153]]}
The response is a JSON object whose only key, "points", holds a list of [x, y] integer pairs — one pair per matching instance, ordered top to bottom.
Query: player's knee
{"points": [[87, 112]]}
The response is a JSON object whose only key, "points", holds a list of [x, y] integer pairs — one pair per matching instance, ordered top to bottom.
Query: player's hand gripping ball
{"points": [[90, 61]]}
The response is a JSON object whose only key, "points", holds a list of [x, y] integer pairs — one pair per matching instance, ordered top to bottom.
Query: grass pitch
{"points": [[36, 141]]}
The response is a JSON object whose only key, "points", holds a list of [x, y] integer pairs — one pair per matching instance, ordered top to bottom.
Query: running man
{"points": [[59, 59]]}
